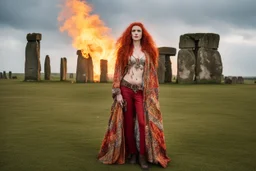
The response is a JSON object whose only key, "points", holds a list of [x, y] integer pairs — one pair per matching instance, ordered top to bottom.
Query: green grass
{"points": [[59, 126]]}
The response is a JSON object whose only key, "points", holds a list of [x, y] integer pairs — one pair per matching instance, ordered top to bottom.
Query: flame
{"points": [[88, 33]]}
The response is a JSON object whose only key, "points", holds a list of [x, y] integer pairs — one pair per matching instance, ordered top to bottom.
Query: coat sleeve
{"points": [[116, 81]]}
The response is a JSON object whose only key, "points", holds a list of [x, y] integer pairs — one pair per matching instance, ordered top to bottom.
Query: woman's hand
{"points": [[119, 99]]}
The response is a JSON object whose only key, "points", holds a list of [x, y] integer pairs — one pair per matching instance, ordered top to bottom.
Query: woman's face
{"points": [[136, 33]]}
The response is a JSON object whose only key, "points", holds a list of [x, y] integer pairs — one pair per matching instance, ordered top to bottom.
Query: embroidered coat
{"points": [[112, 149]]}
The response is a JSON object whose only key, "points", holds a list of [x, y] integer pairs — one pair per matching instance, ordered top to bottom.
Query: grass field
{"points": [[59, 126]]}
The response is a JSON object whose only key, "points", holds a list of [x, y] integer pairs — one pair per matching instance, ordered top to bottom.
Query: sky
{"points": [[166, 20]]}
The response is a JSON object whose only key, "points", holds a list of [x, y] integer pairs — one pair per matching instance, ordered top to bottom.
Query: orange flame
{"points": [[88, 33]]}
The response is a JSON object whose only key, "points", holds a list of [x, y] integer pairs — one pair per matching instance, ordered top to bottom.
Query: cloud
{"points": [[29, 14], [166, 20]]}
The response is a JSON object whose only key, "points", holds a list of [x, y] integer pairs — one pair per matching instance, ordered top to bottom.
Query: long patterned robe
{"points": [[112, 149]]}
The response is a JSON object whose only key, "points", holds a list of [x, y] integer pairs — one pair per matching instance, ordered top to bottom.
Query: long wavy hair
{"points": [[125, 46]]}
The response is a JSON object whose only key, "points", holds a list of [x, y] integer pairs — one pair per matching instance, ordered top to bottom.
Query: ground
{"points": [[59, 126]]}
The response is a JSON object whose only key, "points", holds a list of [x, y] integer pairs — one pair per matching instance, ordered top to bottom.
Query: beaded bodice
{"points": [[138, 62]]}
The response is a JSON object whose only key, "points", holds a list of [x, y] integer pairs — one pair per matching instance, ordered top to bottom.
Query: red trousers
{"points": [[134, 105]]}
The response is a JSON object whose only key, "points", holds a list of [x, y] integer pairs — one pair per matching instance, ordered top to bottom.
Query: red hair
{"points": [[125, 46]]}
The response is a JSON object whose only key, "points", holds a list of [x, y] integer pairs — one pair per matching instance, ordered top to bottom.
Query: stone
{"points": [[195, 36], [34, 37], [197, 40], [209, 40], [193, 41], [186, 42], [170, 51], [167, 52], [32, 58], [208, 62], [186, 66], [209, 66], [47, 68], [63, 69], [89, 69], [161, 69], [84, 70], [103, 71], [168, 71], [10, 74], [1, 75], [4, 75], [81, 76], [14, 77], [227, 80], [234, 80], [240, 80]]}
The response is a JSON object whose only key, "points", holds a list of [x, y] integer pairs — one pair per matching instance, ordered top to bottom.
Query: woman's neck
{"points": [[136, 44]]}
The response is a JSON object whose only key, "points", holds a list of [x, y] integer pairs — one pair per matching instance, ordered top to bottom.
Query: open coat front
{"points": [[112, 149]]}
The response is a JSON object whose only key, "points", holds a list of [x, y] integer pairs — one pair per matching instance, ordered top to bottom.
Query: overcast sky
{"points": [[166, 20]]}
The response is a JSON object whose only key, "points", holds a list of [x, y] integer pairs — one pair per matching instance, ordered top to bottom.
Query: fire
{"points": [[88, 33]]}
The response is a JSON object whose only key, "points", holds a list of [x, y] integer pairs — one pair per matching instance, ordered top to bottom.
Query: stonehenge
{"points": [[199, 60]]}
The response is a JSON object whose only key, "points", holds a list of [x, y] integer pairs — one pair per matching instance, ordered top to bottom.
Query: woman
{"points": [[135, 126]]}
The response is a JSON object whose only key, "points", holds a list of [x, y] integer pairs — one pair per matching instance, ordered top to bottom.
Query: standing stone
{"points": [[167, 52], [32, 54], [186, 66], [209, 66], [47, 68], [63, 69], [84, 69], [89, 69], [161, 69], [103, 71], [168, 71], [10, 74], [1, 75], [4, 75], [81, 76], [228, 80], [234, 80], [240, 80]]}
